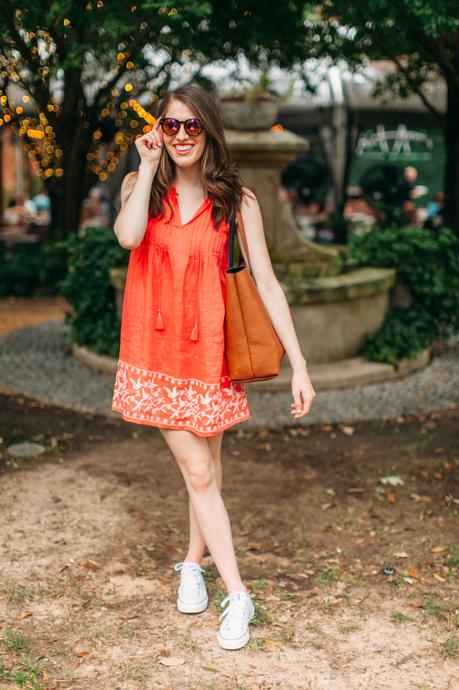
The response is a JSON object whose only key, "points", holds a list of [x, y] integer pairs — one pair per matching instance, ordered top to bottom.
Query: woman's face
{"points": [[185, 150]]}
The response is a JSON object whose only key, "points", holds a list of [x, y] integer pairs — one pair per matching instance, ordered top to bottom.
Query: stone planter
{"points": [[244, 114], [333, 313]]}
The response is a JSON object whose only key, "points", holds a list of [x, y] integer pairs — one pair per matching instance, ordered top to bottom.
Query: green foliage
{"points": [[428, 264], [26, 268], [94, 323]]}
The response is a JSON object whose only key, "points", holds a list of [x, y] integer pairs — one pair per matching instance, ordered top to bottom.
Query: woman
{"points": [[172, 371]]}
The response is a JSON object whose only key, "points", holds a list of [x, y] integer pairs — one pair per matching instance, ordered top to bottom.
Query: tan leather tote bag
{"points": [[253, 349]]}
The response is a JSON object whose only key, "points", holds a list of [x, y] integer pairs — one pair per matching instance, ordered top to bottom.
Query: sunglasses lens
{"points": [[170, 126], [193, 127]]}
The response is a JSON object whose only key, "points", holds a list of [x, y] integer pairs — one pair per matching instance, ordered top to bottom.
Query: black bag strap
{"points": [[232, 237]]}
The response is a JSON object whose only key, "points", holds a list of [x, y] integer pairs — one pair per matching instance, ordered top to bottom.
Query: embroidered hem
{"points": [[157, 399]]}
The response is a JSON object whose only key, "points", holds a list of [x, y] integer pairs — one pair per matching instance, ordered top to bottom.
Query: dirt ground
{"points": [[90, 531]]}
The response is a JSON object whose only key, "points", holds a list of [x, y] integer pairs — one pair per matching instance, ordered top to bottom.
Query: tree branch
{"points": [[433, 48], [412, 82]]}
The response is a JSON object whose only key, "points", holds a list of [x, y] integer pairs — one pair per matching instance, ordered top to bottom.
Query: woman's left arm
{"points": [[276, 303]]}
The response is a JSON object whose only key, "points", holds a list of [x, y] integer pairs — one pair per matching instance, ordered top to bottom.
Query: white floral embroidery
{"points": [[150, 397]]}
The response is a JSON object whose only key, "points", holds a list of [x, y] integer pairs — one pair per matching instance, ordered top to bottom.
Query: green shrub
{"points": [[427, 262], [26, 268], [95, 323]]}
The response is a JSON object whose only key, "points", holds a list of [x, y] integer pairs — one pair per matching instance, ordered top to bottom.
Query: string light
{"points": [[38, 131]]}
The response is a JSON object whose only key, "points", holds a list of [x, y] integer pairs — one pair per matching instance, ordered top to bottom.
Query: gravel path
{"points": [[36, 361]]}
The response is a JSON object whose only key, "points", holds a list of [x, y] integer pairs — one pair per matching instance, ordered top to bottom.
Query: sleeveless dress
{"points": [[172, 371]]}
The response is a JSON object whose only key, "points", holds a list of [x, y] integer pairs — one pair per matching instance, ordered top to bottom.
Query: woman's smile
{"points": [[183, 149]]}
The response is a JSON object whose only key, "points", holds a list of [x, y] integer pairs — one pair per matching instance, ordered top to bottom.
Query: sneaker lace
{"points": [[191, 569], [236, 611]]}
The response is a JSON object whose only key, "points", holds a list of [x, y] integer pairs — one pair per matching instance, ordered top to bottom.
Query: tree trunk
{"points": [[74, 137], [451, 181]]}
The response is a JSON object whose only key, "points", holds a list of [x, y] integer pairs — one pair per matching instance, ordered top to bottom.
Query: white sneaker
{"points": [[192, 592], [234, 631]]}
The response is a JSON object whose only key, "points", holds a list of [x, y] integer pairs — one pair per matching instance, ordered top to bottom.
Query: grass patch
{"points": [[304, 543], [453, 560], [327, 577], [397, 583], [256, 585], [19, 594], [433, 609], [261, 617], [398, 617], [450, 647], [133, 670], [24, 671]]}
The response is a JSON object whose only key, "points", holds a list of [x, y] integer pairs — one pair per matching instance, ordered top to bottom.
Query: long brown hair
{"points": [[220, 179]]}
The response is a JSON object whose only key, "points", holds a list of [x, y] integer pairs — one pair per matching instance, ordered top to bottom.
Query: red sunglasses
{"points": [[171, 126]]}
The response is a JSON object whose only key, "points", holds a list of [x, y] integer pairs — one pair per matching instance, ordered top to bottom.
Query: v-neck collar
{"points": [[199, 210]]}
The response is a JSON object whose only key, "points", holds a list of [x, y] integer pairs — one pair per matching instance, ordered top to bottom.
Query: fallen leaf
{"points": [[348, 430], [263, 433], [392, 479], [391, 497], [417, 498], [324, 506], [255, 546], [438, 549], [401, 554], [92, 565], [412, 572], [439, 578], [409, 580], [416, 604], [24, 614], [128, 616], [269, 641], [81, 652], [165, 652], [171, 661], [210, 668]]}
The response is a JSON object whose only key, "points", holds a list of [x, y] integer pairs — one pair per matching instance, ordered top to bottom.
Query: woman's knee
{"points": [[193, 457], [199, 472]]}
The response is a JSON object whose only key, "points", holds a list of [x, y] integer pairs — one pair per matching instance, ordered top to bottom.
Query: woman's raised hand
{"points": [[150, 145]]}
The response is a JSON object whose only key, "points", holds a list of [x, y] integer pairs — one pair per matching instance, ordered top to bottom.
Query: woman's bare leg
{"points": [[198, 468], [197, 545]]}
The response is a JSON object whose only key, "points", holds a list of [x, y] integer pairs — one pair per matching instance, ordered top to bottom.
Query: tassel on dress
{"points": [[159, 325], [194, 333]]}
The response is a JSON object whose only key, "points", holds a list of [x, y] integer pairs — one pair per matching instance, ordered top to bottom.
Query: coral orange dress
{"points": [[172, 371]]}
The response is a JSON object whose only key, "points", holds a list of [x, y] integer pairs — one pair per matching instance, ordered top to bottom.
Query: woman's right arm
{"points": [[131, 222]]}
